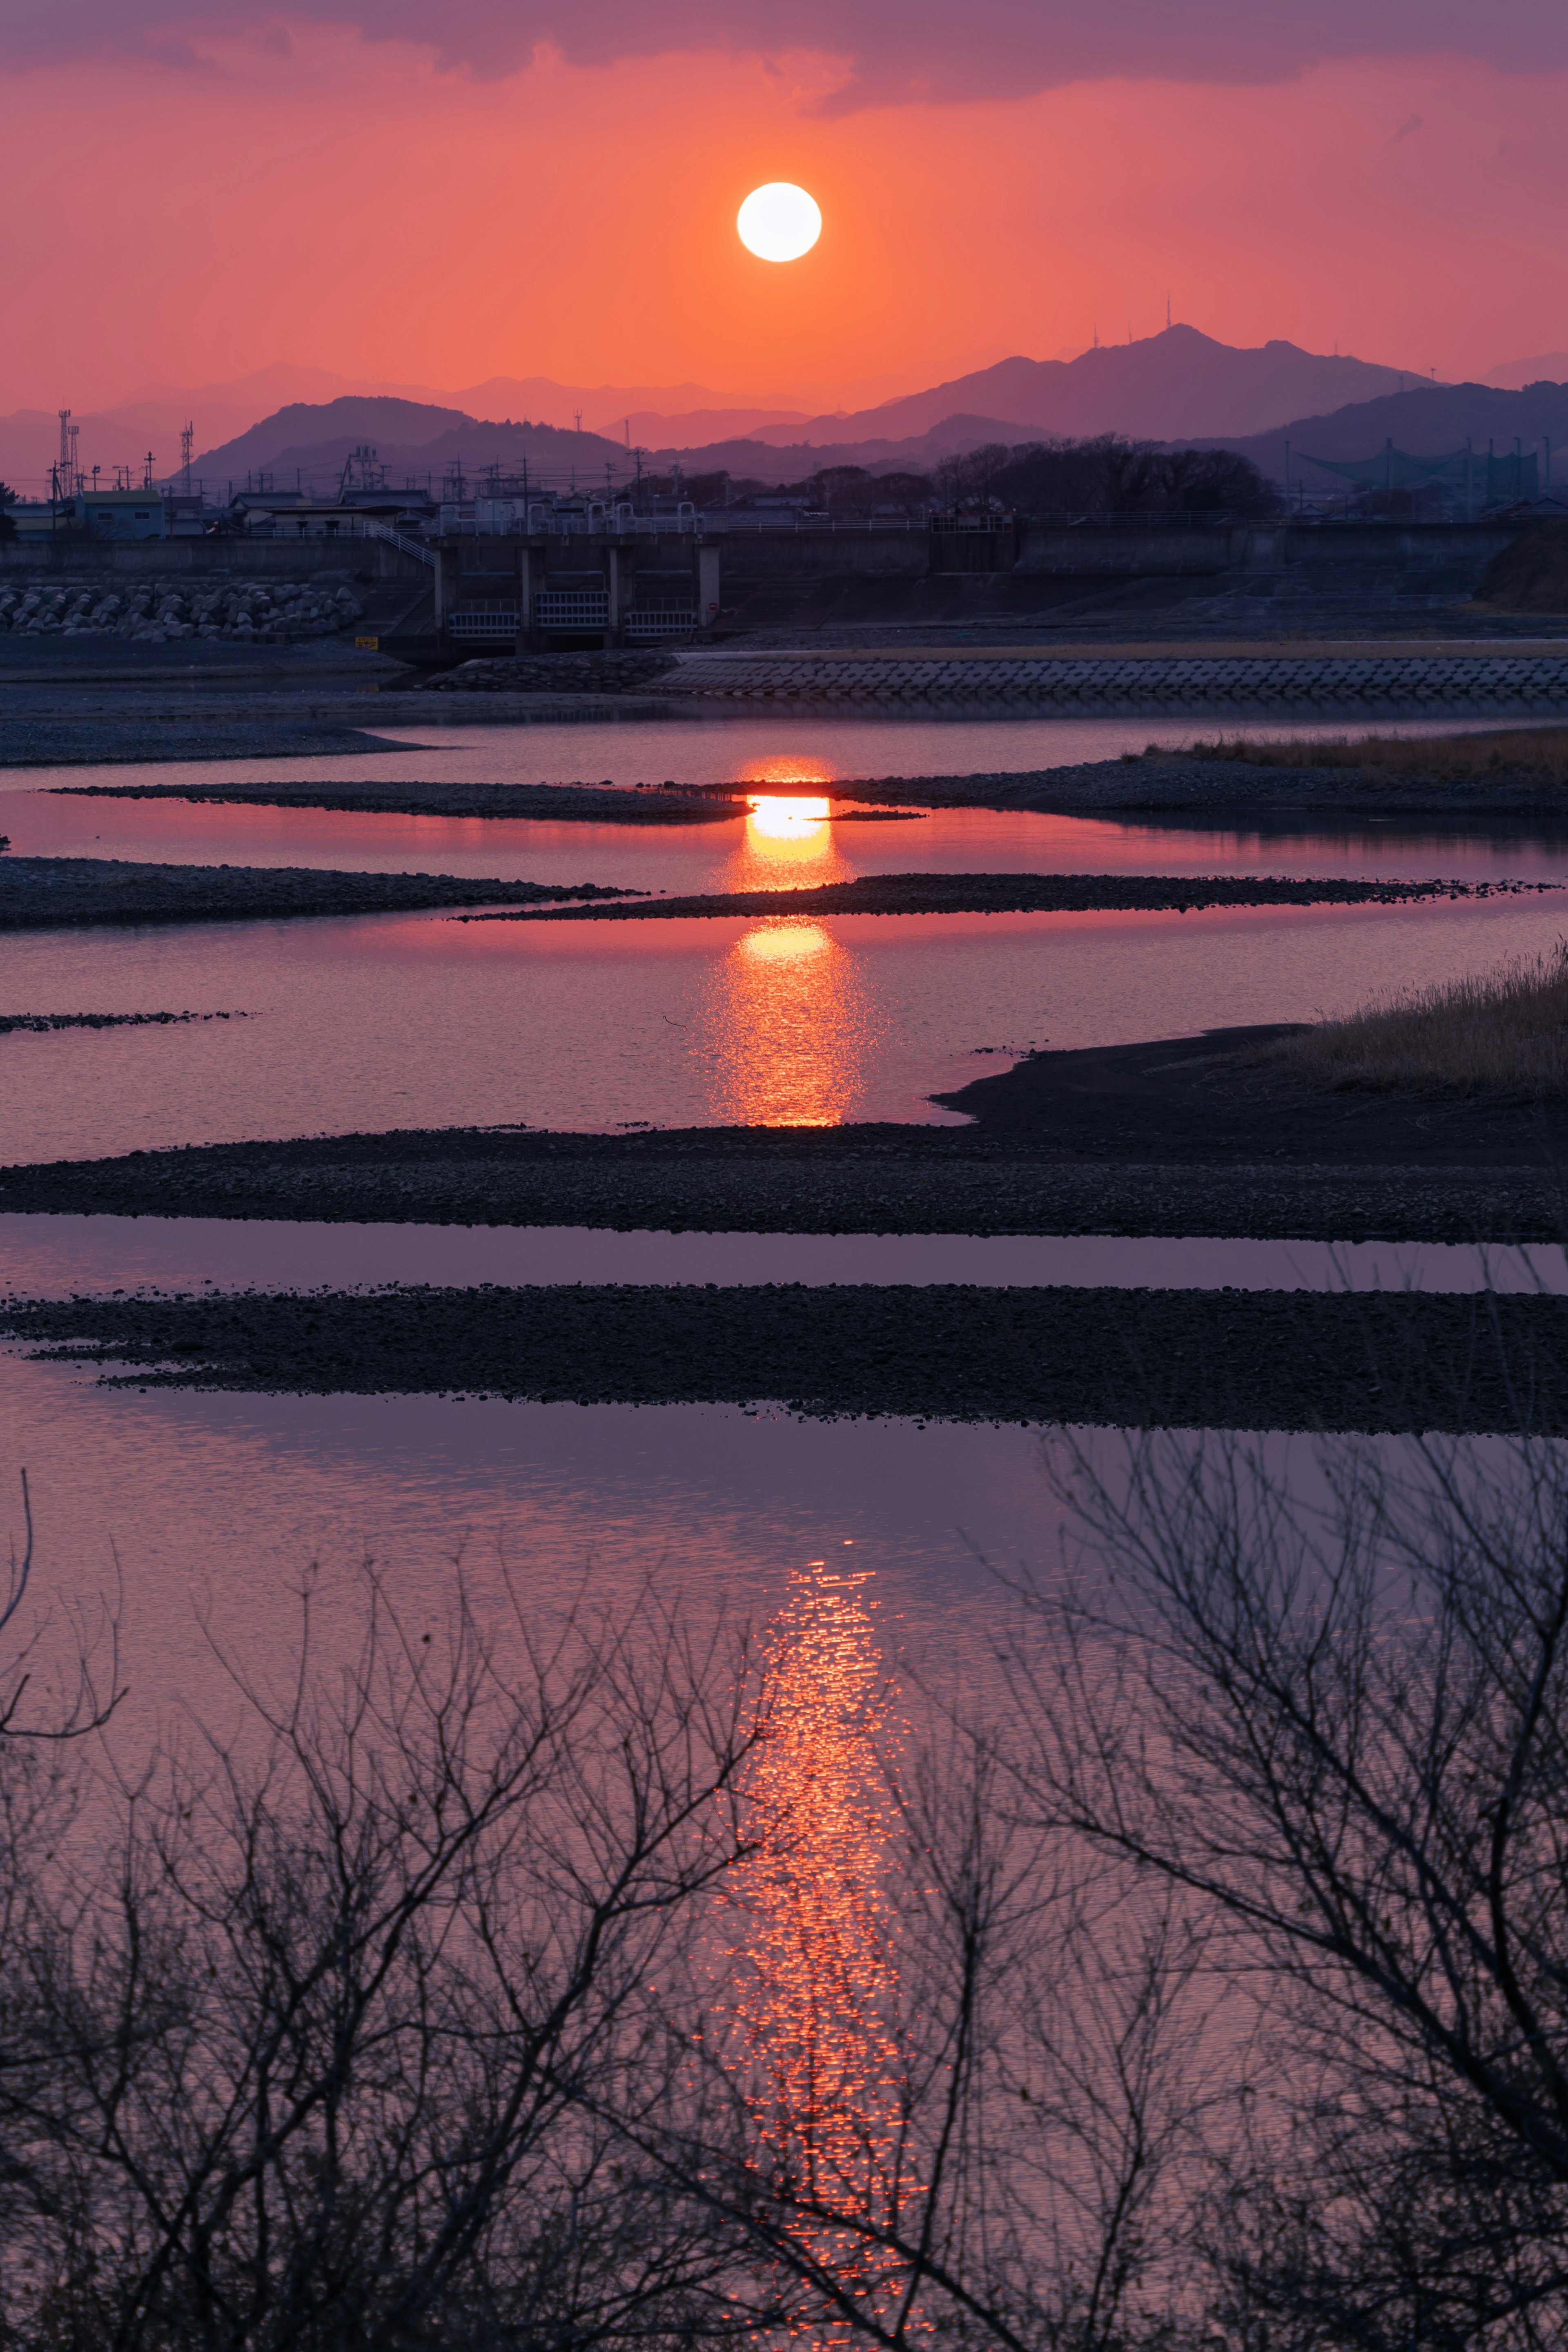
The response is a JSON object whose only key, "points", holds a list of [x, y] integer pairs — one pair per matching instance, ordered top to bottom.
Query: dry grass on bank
{"points": [[1539, 752], [1506, 1028]]}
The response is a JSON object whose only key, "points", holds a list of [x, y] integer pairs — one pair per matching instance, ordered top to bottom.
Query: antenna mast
{"points": [[187, 442]]}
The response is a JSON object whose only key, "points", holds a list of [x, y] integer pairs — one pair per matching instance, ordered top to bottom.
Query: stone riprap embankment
{"points": [[242, 612], [1259, 685], [49, 893]]}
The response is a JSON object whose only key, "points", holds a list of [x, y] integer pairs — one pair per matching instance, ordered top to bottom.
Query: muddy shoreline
{"points": [[1217, 1360]]}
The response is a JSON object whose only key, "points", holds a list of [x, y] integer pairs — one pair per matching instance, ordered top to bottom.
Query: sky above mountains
{"points": [[502, 188]]}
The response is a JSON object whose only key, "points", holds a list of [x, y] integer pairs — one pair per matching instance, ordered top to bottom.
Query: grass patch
{"points": [[1541, 752], [1502, 1029]]}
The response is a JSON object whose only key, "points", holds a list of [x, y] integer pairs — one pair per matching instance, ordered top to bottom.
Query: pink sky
{"points": [[187, 201]]}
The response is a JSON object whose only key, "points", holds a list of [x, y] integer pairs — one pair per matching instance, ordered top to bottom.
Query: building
{"points": [[299, 514], [104, 515]]}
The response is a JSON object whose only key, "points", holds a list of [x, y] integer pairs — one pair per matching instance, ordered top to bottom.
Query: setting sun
{"points": [[779, 222], [787, 820]]}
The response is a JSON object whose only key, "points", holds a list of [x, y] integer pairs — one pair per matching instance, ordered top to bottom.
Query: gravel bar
{"points": [[1135, 784], [552, 803], [51, 893], [997, 894], [41, 1023], [863, 1180], [1215, 1360]]}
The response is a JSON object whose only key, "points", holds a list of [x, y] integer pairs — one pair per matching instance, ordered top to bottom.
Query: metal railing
{"points": [[403, 546], [573, 608], [488, 621], [662, 621]]}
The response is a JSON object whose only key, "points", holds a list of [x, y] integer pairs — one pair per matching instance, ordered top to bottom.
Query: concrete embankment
{"points": [[1262, 684]]}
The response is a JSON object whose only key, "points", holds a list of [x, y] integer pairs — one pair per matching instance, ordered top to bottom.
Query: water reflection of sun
{"points": [[775, 818], [789, 842], [787, 1030], [817, 1967]]}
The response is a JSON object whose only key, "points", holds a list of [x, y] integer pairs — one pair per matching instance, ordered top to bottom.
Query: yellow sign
{"points": [[368, 645]]}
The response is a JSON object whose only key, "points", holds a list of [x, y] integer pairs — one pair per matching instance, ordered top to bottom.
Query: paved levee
{"points": [[1472, 685]]}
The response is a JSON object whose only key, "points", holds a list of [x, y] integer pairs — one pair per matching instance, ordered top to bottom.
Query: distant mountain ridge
{"points": [[1166, 386], [1132, 388], [150, 417]]}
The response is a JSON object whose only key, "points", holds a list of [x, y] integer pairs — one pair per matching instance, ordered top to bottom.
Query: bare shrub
{"points": [[1507, 1027], [1341, 1729], [340, 2034]]}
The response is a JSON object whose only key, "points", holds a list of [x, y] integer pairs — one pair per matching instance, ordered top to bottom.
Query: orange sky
{"points": [[300, 193]]}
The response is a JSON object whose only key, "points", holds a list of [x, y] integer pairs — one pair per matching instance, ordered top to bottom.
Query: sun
{"points": [[778, 222]]}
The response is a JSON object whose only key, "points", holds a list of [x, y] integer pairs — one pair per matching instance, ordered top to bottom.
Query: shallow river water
{"points": [[194, 1524]]}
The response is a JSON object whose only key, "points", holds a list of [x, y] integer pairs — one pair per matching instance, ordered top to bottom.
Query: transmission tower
{"points": [[187, 442]]}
